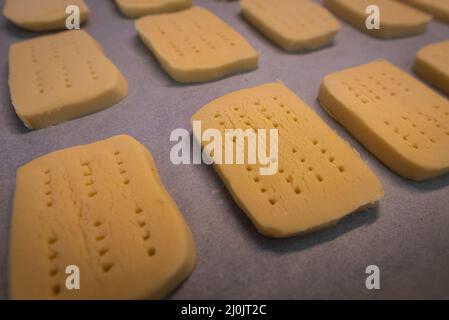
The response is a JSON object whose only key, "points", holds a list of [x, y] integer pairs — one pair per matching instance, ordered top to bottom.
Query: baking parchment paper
{"points": [[407, 236]]}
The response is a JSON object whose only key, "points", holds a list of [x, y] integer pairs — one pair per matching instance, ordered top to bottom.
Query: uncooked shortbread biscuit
{"points": [[138, 8], [437, 8], [42, 15], [396, 19], [292, 24], [196, 46], [432, 64], [60, 77], [396, 117], [320, 178], [101, 207]]}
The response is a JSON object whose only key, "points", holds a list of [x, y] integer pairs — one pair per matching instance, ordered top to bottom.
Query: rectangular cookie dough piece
{"points": [[139, 8], [437, 8], [42, 15], [396, 19], [292, 24], [194, 45], [432, 64], [59, 77], [396, 117], [319, 178], [101, 207]]}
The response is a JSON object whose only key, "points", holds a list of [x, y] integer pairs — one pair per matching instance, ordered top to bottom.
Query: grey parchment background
{"points": [[407, 236]]}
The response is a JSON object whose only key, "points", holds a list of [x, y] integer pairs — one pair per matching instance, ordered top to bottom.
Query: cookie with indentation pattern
{"points": [[138, 8], [42, 15], [396, 19], [292, 24], [194, 45], [432, 64], [60, 77], [396, 117], [319, 178], [103, 208]]}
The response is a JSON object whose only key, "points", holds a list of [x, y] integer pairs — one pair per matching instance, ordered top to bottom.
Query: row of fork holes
{"points": [[294, 18], [194, 47], [92, 72], [66, 77], [391, 91], [438, 108], [264, 111], [429, 118], [414, 125], [405, 137], [121, 167], [289, 178], [88, 179], [47, 186], [263, 189], [137, 210], [52, 241], [102, 250], [151, 251], [54, 270]]}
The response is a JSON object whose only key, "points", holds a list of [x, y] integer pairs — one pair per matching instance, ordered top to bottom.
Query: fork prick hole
{"points": [[151, 252]]}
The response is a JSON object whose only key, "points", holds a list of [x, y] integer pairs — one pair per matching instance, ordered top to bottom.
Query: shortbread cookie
{"points": [[138, 8], [437, 8], [42, 15], [396, 19], [292, 24], [196, 46], [432, 64], [60, 77], [397, 118], [319, 178], [101, 207]]}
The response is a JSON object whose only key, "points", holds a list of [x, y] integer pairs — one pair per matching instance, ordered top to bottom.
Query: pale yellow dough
{"points": [[138, 8], [437, 8], [42, 15], [396, 19], [292, 24], [194, 45], [432, 64], [59, 77], [396, 117], [320, 178], [103, 208]]}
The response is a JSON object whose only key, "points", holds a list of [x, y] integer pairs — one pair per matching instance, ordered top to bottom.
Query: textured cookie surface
{"points": [[138, 8], [437, 8], [42, 15], [396, 19], [292, 24], [194, 45], [432, 64], [60, 77], [396, 117], [320, 178], [103, 208]]}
